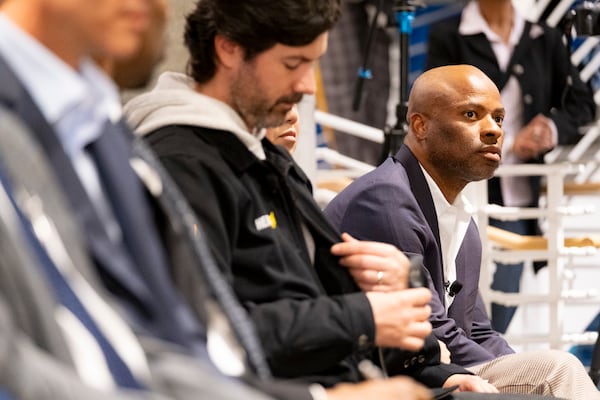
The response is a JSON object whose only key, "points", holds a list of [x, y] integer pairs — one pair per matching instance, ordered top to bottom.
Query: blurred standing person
{"points": [[339, 68], [136, 71], [546, 102]]}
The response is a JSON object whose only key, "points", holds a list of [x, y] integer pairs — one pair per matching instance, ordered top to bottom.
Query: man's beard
{"points": [[247, 96], [272, 117]]}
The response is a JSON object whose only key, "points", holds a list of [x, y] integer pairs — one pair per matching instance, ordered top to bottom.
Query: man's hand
{"points": [[534, 139], [374, 266], [401, 315], [401, 318], [444, 353], [470, 383], [397, 388]]}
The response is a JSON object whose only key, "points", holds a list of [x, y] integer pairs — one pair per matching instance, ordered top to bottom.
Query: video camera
{"points": [[585, 19]]}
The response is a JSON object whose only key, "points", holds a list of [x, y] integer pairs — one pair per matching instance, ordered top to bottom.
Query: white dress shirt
{"points": [[453, 222]]}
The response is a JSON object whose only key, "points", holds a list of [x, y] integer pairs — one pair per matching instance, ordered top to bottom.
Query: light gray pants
{"points": [[546, 372]]}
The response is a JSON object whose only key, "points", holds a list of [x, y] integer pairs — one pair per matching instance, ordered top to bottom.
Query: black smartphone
{"points": [[416, 277]]}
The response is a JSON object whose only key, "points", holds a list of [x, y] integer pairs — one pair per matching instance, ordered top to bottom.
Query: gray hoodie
{"points": [[173, 101]]}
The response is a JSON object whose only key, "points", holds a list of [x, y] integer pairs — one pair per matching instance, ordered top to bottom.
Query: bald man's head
{"points": [[440, 86], [455, 116]]}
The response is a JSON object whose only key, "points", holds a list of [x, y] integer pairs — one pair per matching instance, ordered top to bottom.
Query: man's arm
{"points": [[393, 218], [483, 333], [300, 334], [484, 344]]}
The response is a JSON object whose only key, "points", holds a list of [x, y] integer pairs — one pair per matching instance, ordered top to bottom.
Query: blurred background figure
{"points": [[345, 54], [136, 71]]}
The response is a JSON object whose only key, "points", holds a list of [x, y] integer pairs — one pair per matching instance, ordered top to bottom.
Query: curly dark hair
{"points": [[256, 25]]}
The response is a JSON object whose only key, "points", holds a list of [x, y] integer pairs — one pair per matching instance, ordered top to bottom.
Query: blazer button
{"points": [[518, 69], [528, 99], [363, 342], [421, 359], [413, 361], [406, 363]]}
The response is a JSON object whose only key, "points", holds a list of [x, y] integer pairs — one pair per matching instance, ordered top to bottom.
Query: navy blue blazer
{"points": [[393, 204]]}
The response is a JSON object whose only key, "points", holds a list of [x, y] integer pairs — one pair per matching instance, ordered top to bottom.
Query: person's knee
{"points": [[565, 359], [561, 362]]}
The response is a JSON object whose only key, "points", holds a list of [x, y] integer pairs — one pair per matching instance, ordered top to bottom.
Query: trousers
{"points": [[546, 372]]}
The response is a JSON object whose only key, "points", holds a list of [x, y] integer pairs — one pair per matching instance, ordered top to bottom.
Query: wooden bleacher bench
{"points": [[334, 184], [582, 189], [513, 241]]}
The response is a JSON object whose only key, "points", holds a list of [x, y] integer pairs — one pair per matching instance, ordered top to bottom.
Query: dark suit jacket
{"points": [[550, 84], [393, 204], [40, 364]]}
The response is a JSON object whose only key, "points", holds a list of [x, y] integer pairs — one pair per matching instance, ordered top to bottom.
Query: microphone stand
{"points": [[394, 136]]}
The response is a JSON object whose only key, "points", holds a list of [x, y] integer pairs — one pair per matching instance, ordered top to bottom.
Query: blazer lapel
{"points": [[478, 51], [420, 189], [469, 254], [334, 278]]}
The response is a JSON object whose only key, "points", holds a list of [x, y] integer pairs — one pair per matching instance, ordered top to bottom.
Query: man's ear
{"points": [[227, 51], [418, 125]]}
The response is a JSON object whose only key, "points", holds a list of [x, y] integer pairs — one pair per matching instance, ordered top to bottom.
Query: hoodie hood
{"points": [[173, 101]]}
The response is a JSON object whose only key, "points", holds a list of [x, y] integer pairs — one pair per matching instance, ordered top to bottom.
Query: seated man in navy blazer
{"points": [[415, 201]]}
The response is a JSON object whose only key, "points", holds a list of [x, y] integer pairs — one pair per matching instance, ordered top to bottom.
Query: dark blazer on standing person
{"points": [[550, 84], [393, 204]]}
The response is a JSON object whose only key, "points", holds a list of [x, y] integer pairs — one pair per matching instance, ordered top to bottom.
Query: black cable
{"points": [[363, 71]]}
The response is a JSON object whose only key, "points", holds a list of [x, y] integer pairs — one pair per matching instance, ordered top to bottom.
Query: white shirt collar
{"points": [[472, 23], [55, 87], [439, 200]]}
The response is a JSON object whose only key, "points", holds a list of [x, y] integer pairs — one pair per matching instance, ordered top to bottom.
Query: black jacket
{"points": [[314, 322]]}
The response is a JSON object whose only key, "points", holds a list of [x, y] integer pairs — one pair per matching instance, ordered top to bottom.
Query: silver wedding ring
{"points": [[379, 276]]}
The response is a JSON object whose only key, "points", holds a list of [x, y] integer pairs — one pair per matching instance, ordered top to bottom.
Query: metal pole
{"points": [[394, 137]]}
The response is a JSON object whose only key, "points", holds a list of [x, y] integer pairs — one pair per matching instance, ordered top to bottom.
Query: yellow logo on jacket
{"points": [[266, 221]]}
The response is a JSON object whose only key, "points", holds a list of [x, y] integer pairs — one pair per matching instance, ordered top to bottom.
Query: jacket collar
{"points": [[420, 188]]}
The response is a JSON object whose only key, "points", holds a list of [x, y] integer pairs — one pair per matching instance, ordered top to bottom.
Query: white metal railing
{"points": [[558, 257]]}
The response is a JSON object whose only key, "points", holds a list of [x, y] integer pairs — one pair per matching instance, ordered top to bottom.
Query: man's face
{"points": [[102, 28], [135, 71], [266, 87], [464, 139]]}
